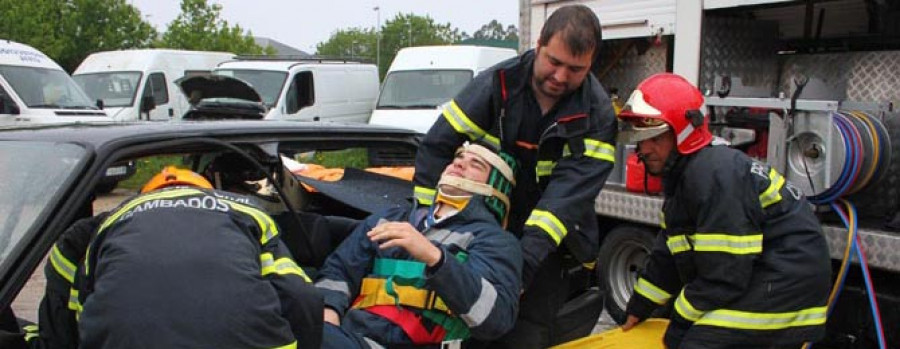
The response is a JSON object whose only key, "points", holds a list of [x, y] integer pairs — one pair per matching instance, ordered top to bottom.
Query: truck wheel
{"points": [[622, 256]]}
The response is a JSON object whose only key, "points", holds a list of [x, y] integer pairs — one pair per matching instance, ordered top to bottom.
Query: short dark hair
{"points": [[579, 27]]}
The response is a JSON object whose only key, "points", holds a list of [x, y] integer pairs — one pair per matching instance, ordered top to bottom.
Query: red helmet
{"points": [[665, 101]]}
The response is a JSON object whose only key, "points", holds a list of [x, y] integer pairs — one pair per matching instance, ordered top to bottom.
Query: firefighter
{"points": [[546, 110], [741, 254], [181, 265], [422, 276]]}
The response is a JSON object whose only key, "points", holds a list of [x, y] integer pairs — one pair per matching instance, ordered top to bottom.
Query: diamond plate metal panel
{"points": [[744, 50], [626, 72], [870, 77], [617, 203], [881, 247]]}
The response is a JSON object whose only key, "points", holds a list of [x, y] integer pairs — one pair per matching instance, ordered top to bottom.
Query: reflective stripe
{"points": [[462, 124], [599, 150], [545, 167], [772, 195], [425, 196], [662, 219], [549, 224], [267, 226], [447, 237], [678, 244], [734, 244], [63, 266], [281, 266], [334, 285], [651, 292], [74, 303], [483, 306], [685, 309], [764, 321], [31, 332], [372, 344], [293, 345]]}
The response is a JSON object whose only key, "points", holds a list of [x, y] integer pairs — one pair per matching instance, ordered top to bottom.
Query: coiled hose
{"points": [[866, 144]]}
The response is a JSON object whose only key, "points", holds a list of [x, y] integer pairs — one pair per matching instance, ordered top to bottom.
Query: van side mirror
{"points": [[100, 103], [147, 104]]}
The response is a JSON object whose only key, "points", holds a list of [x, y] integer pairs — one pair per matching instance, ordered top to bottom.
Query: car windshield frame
{"points": [[114, 80], [45, 88], [405, 89], [267, 91], [31, 188]]}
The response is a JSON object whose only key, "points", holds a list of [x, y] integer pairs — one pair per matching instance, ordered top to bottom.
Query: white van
{"points": [[423, 78], [140, 84], [34, 88], [309, 89]]}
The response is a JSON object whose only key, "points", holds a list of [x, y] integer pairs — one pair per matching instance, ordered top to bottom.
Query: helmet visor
{"points": [[640, 120]]}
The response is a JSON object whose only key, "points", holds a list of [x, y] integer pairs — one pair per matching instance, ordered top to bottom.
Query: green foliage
{"points": [[199, 27], [70, 30], [402, 31], [495, 31], [345, 158], [149, 167]]}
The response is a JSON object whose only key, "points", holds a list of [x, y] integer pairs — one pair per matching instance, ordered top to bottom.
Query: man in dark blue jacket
{"points": [[551, 114], [741, 254], [429, 275]]}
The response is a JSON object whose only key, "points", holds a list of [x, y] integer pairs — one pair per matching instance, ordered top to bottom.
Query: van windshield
{"points": [[267, 83], [45, 88], [116, 89], [418, 89]]}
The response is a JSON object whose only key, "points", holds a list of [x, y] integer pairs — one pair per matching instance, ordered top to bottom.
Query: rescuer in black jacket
{"points": [[545, 109], [741, 254], [179, 266]]}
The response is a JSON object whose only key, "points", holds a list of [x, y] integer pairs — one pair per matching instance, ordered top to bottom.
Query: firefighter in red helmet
{"points": [[741, 253]]}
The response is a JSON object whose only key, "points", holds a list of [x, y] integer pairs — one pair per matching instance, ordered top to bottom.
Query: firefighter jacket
{"points": [[564, 157], [741, 253], [181, 267], [477, 280]]}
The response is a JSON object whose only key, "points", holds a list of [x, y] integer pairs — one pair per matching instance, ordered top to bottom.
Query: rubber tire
{"points": [[881, 200], [622, 255]]}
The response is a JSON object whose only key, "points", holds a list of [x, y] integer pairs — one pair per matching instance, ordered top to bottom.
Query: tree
{"points": [[199, 27], [69, 30], [494, 31], [353, 43]]}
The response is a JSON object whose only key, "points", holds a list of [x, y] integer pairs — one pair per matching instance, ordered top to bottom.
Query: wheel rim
{"points": [[623, 269]]}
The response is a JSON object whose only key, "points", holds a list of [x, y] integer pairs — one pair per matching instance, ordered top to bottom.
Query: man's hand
{"points": [[404, 235], [332, 317], [630, 323]]}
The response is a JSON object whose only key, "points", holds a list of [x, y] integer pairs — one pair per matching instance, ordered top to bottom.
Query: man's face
{"points": [[556, 71], [655, 151], [469, 166]]}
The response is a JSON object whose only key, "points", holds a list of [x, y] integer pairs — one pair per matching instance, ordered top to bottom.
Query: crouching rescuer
{"points": [[741, 254], [179, 266], [422, 276]]}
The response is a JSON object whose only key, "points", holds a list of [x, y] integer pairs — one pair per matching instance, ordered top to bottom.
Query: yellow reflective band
{"points": [[462, 124], [599, 150], [545, 167], [772, 195], [425, 196], [662, 219], [549, 224], [266, 225], [678, 244], [734, 244], [63, 266], [281, 266], [373, 292], [651, 292], [74, 303], [685, 309], [764, 321], [31, 332], [293, 345]]}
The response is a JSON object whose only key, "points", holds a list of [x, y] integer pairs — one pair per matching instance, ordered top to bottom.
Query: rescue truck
{"points": [[809, 87]]}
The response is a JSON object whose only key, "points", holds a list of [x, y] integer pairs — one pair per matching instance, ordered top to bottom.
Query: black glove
{"points": [[675, 332]]}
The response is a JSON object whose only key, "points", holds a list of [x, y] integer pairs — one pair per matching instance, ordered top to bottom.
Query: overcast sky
{"points": [[305, 23]]}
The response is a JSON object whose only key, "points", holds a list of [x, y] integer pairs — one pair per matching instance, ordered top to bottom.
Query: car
{"points": [[50, 174]]}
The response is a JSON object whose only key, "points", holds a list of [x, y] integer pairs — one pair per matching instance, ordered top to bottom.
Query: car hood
{"points": [[197, 88]]}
